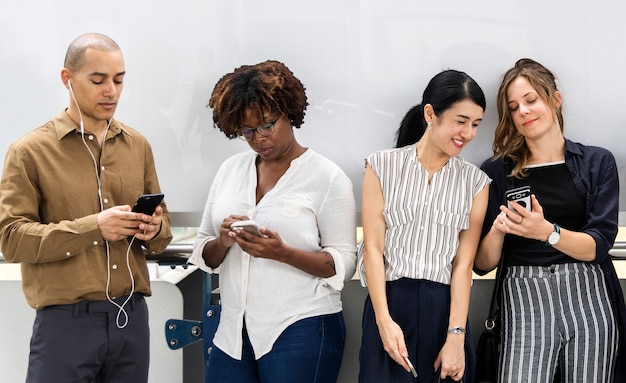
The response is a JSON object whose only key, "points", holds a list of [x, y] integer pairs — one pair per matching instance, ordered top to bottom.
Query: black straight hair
{"points": [[444, 90]]}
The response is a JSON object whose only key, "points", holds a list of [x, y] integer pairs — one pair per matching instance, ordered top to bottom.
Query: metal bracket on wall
{"points": [[181, 332]]}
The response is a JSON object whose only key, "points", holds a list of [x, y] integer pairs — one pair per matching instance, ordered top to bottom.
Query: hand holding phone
{"points": [[520, 195], [147, 203], [249, 226], [408, 362]]}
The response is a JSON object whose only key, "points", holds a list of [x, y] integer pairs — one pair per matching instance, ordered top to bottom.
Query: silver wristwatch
{"points": [[555, 236], [456, 330]]}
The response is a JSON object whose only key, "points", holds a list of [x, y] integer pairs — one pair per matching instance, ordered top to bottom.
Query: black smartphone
{"points": [[520, 195], [146, 203]]}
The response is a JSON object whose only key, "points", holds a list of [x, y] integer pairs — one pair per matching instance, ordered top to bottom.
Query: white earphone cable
{"points": [[121, 310]]}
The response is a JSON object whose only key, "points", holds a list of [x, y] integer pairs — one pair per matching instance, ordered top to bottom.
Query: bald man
{"points": [[66, 194]]}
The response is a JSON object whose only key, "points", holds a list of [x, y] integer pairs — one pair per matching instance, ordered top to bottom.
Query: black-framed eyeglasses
{"points": [[264, 130]]}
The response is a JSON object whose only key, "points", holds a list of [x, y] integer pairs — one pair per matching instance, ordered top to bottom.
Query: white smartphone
{"points": [[249, 226]]}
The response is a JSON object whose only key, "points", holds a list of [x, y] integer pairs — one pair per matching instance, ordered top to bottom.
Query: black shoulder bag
{"points": [[488, 348]]}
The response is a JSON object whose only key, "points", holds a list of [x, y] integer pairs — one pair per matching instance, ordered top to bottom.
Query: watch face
{"points": [[554, 238]]}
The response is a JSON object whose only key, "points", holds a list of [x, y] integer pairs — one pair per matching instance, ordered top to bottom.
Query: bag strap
{"points": [[494, 307]]}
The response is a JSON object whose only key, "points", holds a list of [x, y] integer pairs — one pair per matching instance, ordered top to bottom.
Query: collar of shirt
{"points": [[65, 125]]}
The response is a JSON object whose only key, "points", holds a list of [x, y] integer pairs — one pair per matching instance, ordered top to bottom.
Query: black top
{"points": [[562, 205]]}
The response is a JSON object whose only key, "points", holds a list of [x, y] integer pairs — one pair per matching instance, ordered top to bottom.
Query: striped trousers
{"points": [[557, 315]]}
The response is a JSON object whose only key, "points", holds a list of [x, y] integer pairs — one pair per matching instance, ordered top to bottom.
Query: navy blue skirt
{"points": [[422, 309]]}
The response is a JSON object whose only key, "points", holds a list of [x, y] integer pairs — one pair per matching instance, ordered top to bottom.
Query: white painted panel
{"points": [[364, 64], [16, 322]]}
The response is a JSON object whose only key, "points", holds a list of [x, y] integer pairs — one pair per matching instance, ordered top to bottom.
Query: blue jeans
{"points": [[308, 351]]}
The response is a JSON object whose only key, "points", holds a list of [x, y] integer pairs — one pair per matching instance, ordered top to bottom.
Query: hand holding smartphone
{"points": [[520, 195], [147, 203], [249, 226], [408, 362]]}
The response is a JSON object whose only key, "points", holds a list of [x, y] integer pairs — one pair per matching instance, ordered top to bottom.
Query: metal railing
{"points": [[618, 251], [179, 252]]}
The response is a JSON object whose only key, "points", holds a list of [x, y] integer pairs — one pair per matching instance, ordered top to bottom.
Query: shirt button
{"points": [[91, 137], [102, 168], [106, 200], [95, 243], [67, 254], [114, 267]]}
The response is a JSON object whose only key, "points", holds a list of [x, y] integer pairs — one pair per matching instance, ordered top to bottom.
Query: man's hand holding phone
{"points": [[147, 204], [120, 222]]}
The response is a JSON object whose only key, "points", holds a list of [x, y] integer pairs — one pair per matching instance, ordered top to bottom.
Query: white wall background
{"points": [[364, 63]]}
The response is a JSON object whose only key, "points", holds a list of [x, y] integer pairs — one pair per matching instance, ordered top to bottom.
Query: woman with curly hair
{"points": [[281, 318]]}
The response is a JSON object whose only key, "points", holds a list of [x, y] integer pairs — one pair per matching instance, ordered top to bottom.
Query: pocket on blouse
{"points": [[399, 217], [456, 220]]}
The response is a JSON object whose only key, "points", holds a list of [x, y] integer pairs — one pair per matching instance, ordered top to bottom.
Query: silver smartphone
{"points": [[249, 226], [406, 359]]}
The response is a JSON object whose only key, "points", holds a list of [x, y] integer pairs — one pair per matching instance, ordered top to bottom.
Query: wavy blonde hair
{"points": [[508, 141]]}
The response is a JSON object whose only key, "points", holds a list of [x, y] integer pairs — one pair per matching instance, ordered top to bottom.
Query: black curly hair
{"points": [[265, 87]]}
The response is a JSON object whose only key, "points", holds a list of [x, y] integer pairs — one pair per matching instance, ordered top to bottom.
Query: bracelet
{"points": [[456, 330]]}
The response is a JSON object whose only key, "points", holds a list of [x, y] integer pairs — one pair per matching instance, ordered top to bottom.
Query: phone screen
{"points": [[147, 203]]}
